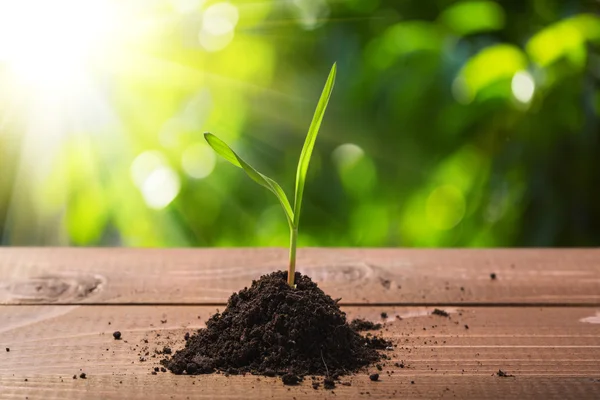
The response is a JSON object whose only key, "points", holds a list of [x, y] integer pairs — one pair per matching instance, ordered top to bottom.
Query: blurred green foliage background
{"points": [[471, 123]]}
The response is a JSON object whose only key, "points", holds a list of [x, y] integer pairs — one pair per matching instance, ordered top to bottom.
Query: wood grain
{"points": [[358, 276], [552, 353]]}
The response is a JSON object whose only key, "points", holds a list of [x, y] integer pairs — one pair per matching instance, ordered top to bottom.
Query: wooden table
{"points": [[539, 320]]}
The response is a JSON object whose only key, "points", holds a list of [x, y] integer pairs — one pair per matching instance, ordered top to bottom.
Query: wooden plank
{"points": [[358, 276], [552, 352], [219, 387]]}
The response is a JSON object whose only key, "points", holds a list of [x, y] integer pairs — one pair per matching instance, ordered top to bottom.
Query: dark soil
{"points": [[441, 313], [360, 325], [271, 329], [117, 335], [503, 374], [291, 379], [329, 383]]}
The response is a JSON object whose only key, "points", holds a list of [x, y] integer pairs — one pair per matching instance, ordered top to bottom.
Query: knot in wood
{"points": [[52, 288]]}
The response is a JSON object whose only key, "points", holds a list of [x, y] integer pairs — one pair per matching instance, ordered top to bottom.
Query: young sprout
{"points": [[293, 216]]}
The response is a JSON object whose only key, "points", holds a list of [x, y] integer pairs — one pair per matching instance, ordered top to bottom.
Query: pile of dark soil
{"points": [[272, 329]]}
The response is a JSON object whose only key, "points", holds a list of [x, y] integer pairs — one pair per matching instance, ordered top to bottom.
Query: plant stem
{"points": [[292, 265]]}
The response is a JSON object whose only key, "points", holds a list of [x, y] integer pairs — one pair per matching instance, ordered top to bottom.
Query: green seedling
{"points": [[293, 216]]}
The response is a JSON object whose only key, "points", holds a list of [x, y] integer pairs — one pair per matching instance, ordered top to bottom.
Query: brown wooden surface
{"points": [[358, 276], [540, 320], [555, 351]]}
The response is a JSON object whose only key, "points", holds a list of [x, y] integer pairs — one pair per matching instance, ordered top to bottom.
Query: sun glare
{"points": [[49, 44]]}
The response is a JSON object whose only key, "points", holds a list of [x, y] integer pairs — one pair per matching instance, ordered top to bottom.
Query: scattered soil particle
{"points": [[493, 276], [386, 283], [441, 313], [384, 315], [360, 325], [466, 326], [272, 329], [117, 335], [186, 337], [376, 342], [7, 349], [166, 350], [399, 364], [379, 367], [503, 374], [83, 375], [74, 376], [374, 377], [26, 379], [290, 379], [412, 382], [329, 383], [316, 385]]}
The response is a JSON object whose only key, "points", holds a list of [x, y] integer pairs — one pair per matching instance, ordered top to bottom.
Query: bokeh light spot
{"points": [[311, 13], [218, 25], [523, 86], [346, 155], [198, 161], [144, 164], [357, 171], [157, 181], [161, 187], [445, 207]]}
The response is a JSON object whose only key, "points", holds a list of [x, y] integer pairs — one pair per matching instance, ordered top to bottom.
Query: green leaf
{"points": [[309, 143], [225, 151]]}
